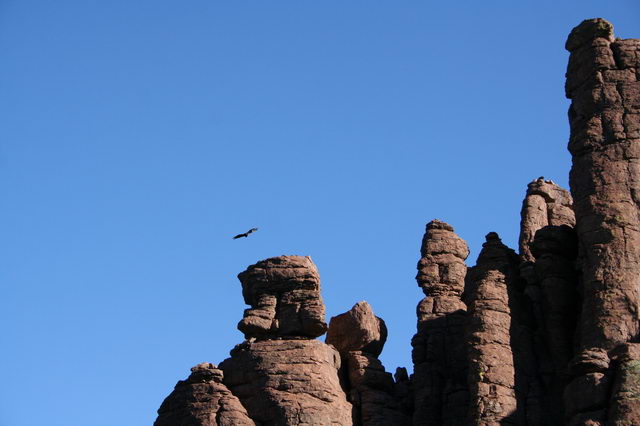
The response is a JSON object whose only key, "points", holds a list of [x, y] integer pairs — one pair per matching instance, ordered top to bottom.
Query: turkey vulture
{"points": [[246, 234]]}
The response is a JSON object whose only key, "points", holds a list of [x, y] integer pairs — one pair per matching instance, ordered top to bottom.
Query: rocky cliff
{"points": [[546, 336]]}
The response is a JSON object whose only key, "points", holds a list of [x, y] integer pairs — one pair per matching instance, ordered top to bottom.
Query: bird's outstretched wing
{"points": [[246, 234]]}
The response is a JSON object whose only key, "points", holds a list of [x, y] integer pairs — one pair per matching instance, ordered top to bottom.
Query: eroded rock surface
{"points": [[602, 83], [605, 179], [545, 204], [284, 294], [357, 330], [359, 336], [439, 356], [491, 361], [288, 382], [202, 400]]}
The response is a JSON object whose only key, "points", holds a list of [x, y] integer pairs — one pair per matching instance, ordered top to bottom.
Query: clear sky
{"points": [[137, 137]]}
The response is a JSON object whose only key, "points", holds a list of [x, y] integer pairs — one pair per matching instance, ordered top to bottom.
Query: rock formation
{"points": [[602, 83], [544, 204], [284, 294], [359, 336], [547, 337], [439, 358], [491, 364], [285, 377]]}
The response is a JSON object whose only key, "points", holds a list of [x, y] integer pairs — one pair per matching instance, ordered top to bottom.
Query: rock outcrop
{"points": [[547, 337], [439, 358]]}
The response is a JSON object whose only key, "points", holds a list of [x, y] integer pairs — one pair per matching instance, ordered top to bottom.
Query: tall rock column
{"points": [[602, 83], [548, 248], [439, 357], [281, 374], [492, 374]]}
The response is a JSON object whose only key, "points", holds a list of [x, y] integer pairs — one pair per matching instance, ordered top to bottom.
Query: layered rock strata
{"points": [[359, 336], [439, 358], [202, 400]]}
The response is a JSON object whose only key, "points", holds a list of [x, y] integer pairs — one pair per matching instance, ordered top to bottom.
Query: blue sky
{"points": [[138, 137]]}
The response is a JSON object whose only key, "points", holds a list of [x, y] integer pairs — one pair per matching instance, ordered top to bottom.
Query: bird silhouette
{"points": [[246, 234]]}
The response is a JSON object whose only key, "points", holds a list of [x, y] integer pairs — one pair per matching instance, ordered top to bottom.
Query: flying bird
{"points": [[246, 234]]}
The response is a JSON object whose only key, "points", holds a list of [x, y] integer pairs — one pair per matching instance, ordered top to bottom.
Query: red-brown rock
{"points": [[602, 83], [545, 204], [284, 294], [357, 330], [439, 356], [492, 373], [288, 382], [202, 400]]}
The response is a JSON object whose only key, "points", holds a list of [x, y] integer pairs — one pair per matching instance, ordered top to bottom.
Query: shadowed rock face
{"points": [[284, 294], [439, 380], [202, 400]]}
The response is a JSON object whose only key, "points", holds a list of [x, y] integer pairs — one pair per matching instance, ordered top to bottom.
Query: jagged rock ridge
{"points": [[549, 336]]}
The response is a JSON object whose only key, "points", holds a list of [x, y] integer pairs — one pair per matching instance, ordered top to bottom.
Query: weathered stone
{"points": [[605, 184], [544, 204], [284, 294], [357, 330], [359, 337], [491, 375], [439, 380], [288, 382], [372, 392], [588, 392], [202, 400], [624, 408]]}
